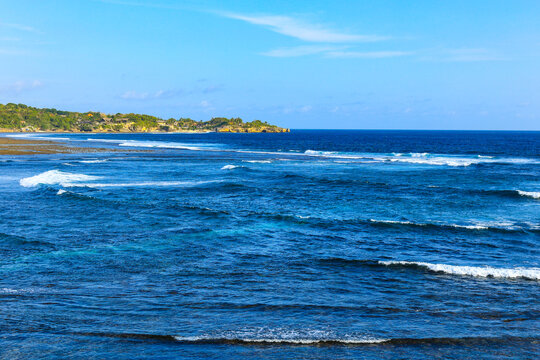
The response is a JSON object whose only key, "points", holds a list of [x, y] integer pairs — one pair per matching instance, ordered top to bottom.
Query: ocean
{"points": [[316, 244]]}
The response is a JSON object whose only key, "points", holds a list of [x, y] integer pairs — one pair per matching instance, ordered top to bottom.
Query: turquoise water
{"points": [[313, 244]]}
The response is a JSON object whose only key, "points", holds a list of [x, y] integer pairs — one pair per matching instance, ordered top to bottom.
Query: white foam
{"points": [[36, 136], [107, 140], [157, 144], [315, 152], [410, 158], [421, 158], [96, 161], [454, 162], [229, 167], [56, 177], [65, 179], [142, 184], [61, 191], [532, 194], [394, 222], [475, 226], [472, 227], [486, 271], [8, 291], [282, 335], [284, 341]]}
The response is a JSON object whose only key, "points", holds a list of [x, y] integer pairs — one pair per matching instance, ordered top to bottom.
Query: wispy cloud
{"points": [[151, 4], [19, 27], [302, 30], [9, 38], [302, 50], [331, 51], [12, 52], [367, 54], [462, 55], [465, 55], [21, 86], [211, 89], [170, 93], [160, 94], [296, 109]]}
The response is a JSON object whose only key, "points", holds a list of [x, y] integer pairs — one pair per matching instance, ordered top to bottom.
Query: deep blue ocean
{"points": [[307, 245]]}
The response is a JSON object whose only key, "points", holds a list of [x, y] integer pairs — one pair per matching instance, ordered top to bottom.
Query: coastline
{"points": [[18, 131]]}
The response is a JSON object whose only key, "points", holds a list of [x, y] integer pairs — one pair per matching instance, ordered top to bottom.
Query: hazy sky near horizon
{"points": [[301, 64]]}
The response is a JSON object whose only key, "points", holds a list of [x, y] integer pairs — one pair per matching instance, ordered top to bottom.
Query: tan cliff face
{"points": [[252, 130]]}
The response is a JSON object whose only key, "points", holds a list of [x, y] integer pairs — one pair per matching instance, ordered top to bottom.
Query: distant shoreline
{"points": [[24, 118]]}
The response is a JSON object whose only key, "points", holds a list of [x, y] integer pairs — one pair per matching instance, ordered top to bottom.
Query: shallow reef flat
{"points": [[10, 146]]}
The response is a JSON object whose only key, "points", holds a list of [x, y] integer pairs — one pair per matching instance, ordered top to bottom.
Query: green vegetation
{"points": [[19, 117]]}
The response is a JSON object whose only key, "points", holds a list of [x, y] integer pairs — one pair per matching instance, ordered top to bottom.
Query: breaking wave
{"points": [[37, 137], [157, 144], [422, 158], [96, 161], [258, 161], [56, 177], [66, 179], [143, 184], [531, 194], [493, 226], [477, 271], [258, 336], [315, 341]]}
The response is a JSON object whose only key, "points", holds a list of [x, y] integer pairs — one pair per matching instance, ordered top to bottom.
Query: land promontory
{"points": [[23, 118]]}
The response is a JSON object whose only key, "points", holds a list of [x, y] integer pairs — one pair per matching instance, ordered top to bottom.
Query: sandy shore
{"points": [[10, 146]]}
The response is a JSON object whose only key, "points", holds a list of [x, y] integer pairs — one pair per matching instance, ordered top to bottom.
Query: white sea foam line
{"points": [[35, 136], [156, 144], [163, 146], [413, 158], [422, 158], [96, 161], [229, 167], [56, 177], [65, 179], [141, 184], [532, 194], [477, 226], [487, 271], [8, 291], [284, 340]]}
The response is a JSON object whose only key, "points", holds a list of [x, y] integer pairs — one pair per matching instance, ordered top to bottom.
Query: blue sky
{"points": [[301, 64]]}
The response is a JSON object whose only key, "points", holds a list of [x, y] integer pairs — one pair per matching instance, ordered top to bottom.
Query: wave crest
{"points": [[56, 177], [532, 194], [477, 271], [322, 341]]}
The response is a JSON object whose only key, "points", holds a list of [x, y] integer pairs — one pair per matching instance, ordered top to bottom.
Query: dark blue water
{"points": [[308, 245]]}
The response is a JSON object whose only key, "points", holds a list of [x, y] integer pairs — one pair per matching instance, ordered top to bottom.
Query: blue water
{"points": [[308, 245]]}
